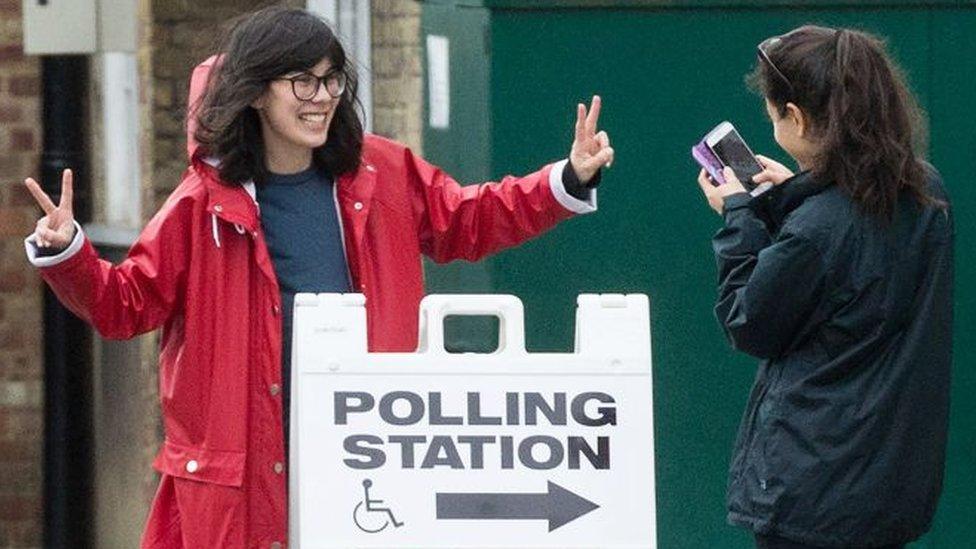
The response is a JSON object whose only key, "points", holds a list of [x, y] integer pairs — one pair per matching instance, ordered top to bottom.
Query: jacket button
{"points": [[358, 206], [218, 208], [275, 309], [275, 389], [192, 466], [279, 467], [277, 545]]}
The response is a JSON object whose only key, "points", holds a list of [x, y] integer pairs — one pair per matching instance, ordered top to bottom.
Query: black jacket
{"points": [[843, 439]]}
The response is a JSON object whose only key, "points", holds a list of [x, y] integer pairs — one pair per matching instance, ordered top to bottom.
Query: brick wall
{"points": [[397, 68], [21, 400]]}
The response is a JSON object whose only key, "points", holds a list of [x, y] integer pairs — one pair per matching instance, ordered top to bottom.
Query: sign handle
{"points": [[508, 308]]}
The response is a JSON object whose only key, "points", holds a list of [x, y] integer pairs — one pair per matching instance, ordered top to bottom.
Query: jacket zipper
{"points": [[342, 231]]}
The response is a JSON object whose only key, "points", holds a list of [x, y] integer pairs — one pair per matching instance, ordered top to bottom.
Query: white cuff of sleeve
{"points": [[567, 200], [30, 244]]}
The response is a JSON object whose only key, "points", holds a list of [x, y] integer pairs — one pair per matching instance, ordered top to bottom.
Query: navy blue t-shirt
{"points": [[301, 227]]}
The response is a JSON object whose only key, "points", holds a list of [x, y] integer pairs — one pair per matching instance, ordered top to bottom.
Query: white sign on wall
{"points": [[53, 27], [438, 82], [508, 449]]}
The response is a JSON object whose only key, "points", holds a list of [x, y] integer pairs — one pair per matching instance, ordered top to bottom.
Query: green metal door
{"points": [[668, 72]]}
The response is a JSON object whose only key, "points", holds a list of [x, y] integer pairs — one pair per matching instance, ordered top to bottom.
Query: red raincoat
{"points": [[201, 271]]}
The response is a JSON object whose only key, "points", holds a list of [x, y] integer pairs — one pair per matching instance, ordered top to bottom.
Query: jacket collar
{"points": [[788, 195], [235, 204]]}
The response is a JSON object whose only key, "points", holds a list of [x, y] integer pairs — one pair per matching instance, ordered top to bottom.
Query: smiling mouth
{"points": [[314, 117]]}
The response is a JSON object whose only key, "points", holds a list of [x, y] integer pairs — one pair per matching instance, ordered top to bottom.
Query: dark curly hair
{"points": [[257, 48], [870, 127]]}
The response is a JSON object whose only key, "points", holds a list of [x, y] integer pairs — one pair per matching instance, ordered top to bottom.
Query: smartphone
{"points": [[731, 150], [706, 159]]}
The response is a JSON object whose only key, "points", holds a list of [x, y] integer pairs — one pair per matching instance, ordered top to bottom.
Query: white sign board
{"points": [[508, 449]]}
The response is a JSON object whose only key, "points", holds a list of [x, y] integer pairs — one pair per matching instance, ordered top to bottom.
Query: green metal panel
{"points": [[468, 32], [667, 75], [950, 107], [468, 153]]}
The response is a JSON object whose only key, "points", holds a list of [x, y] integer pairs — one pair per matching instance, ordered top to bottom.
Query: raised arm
{"points": [[470, 222], [120, 301]]}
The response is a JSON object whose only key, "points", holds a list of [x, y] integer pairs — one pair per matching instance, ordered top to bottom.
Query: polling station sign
{"points": [[508, 449]]}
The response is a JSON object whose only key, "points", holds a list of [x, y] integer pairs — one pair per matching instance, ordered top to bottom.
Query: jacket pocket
{"points": [[222, 467]]}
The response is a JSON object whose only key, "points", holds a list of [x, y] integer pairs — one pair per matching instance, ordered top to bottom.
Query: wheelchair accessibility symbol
{"points": [[371, 518]]}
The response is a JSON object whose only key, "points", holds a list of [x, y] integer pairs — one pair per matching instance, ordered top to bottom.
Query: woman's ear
{"points": [[260, 101], [798, 118]]}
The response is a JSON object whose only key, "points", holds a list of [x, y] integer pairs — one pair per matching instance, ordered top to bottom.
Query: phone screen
{"points": [[734, 153]]}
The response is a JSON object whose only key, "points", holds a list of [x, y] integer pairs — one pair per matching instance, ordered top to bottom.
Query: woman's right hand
{"points": [[773, 172], [56, 229]]}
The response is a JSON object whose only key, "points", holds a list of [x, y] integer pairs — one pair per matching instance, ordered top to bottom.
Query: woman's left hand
{"points": [[591, 149], [716, 194]]}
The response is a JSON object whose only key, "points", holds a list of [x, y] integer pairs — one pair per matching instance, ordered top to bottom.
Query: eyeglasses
{"points": [[762, 49], [306, 85]]}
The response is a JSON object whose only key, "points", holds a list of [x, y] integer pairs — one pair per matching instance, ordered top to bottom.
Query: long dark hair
{"points": [[255, 49], [870, 128]]}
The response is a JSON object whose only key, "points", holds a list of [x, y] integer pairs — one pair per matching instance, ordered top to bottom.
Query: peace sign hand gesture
{"points": [[591, 150], [56, 229]]}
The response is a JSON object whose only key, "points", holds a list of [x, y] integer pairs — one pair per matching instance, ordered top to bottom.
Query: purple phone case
{"points": [[706, 158]]}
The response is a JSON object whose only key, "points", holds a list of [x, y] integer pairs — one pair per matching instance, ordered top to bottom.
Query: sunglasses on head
{"points": [[763, 52]]}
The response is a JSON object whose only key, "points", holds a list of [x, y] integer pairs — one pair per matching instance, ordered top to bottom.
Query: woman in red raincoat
{"points": [[218, 265]]}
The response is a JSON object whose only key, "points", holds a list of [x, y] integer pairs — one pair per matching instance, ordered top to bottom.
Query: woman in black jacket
{"points": [[840, 280]]}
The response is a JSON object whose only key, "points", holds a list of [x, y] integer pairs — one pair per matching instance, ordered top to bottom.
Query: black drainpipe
{"points": [[68, 435]]}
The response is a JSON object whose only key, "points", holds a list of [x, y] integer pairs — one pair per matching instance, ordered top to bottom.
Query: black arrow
{"points": [[558, 506]]}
